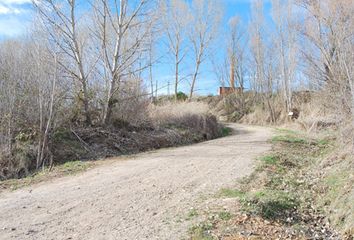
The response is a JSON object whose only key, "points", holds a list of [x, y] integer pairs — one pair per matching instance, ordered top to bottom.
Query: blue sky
{"points": [[16, 15], [207, 82]]}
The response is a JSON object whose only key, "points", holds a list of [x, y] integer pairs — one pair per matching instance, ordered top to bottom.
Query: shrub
{"points": [[181, 96], [271, 204]]}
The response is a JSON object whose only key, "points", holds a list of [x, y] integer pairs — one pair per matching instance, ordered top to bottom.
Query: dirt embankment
{"points": [[91, 143], [94, 143]]}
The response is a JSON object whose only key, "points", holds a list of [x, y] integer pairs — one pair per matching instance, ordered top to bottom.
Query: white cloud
{"points": [[10, 2], [12, 6], [4, 10], [9, 10], [14, 17]]}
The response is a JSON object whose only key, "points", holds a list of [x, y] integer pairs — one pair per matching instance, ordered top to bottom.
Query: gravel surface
{"points": [[145, 197]]}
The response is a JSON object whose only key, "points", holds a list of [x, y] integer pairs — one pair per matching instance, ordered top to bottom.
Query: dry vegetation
{"points": [[176, 114], [167, 125], [302, 189]]}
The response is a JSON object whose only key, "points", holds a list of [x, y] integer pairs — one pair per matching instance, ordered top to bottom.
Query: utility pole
{"points": [[168, 88]]}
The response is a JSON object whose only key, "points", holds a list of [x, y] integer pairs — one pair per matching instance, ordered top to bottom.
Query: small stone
{"points": [[29, 232]]}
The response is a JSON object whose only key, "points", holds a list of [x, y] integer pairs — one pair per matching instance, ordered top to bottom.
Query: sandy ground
{"points": [[146, 197]]}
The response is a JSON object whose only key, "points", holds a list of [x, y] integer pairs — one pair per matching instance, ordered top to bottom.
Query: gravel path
{"points": [[146, 197]]}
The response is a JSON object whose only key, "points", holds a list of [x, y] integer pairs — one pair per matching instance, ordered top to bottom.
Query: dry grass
{"points": [[176, 113], [261, 115], [315, 116], [193, 117], [337, 188]]}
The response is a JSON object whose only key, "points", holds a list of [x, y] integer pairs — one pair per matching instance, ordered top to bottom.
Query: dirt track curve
{"points": [[141, 198]]}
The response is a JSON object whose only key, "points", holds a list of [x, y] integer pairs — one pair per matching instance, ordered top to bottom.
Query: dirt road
{"points": [[144, 197]]}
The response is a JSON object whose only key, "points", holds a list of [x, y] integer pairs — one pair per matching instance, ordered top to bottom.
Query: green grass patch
{"points": [[226, 131], [286, 131], [289, 139], [325, 142], [270, 159], [273, 163], [73, 167], [278, 181], [335, 183], [231, 193], [271, 204], [191, 214], [225, 216], [201, 231]]}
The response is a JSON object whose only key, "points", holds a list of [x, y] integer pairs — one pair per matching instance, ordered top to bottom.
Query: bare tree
{"points": [[175, 19], [62, 22], [204, 29], [124, 31], [328, 34], [328, 37], [284, 39], [236, 51], [262, 55], [236, 58], [151, 60], [221, 70], [47, 94], [8, 95], [28, 96]]}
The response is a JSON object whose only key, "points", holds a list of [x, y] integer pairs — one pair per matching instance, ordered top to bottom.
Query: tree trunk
{"points": [[195, 75], [176, 77], [151, 78], [85, 101], [109, 103], [271, 111], [9, 132], [39, 156]]}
